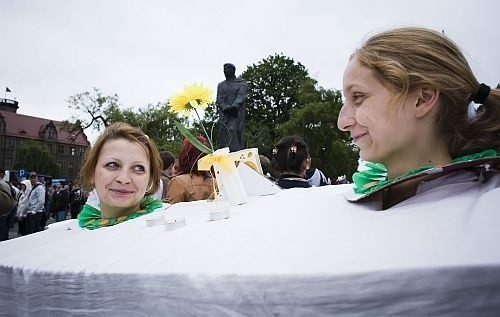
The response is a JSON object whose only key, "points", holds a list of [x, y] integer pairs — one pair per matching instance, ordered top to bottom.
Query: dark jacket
{"points": [[287, 181], [60, 200]]}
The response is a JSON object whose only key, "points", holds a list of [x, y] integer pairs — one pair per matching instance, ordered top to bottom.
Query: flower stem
{"points": [[206, 133]]}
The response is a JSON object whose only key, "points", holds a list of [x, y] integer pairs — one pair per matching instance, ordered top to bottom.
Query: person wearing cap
{"points": [[35, 205]]}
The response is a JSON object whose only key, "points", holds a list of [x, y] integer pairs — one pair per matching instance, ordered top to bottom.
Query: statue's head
{"points": [[229, 71]]}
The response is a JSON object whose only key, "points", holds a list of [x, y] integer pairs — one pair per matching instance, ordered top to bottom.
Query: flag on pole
{"points": [[7, 89]]}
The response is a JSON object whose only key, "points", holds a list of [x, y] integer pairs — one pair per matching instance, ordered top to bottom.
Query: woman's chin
{"points": [[367, 156]]}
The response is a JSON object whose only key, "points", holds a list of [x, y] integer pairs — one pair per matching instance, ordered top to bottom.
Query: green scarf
{"points": [[375, 177], [90, 217]]}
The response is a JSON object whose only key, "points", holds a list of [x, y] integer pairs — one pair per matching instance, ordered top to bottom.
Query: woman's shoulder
{"points": [[287, 181]]}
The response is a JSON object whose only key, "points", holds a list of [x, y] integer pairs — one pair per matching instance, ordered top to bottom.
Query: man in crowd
{"points": [[77, 199], [60, 200], [36, 202], [7, 204]]}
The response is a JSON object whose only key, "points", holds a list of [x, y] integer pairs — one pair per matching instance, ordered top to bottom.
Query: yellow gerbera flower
{"points": [[195, 96]]}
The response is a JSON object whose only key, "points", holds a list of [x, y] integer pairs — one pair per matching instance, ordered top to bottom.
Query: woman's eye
{"points": [[357, 99], [112, 165], [139, 169]]}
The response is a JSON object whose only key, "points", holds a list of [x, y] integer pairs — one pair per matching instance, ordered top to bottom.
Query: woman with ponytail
{"points": [[419, 116]]}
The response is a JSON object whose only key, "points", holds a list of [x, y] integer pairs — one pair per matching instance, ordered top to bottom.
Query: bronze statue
{"points": [[231, 97]]}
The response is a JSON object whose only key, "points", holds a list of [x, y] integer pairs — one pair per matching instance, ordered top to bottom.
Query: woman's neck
{"points": [[435, 155], [114, 212]]}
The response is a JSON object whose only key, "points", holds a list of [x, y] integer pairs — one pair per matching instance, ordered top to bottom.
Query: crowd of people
{"points": [[411, 103], [33, 203]]}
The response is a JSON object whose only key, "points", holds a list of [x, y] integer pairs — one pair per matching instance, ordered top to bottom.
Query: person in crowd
{"points": [[230, 101], [420, 118], [290, 159], [168, 163], [265, 163], [124, 167], [314, 176], [190, 184], [16, 192], [49, 193], [76, 199], [7, 204], [59, 204], [35, 205], [22, 207]]}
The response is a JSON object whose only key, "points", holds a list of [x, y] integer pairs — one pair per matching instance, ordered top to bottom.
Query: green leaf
{"points": [[194, 141]]}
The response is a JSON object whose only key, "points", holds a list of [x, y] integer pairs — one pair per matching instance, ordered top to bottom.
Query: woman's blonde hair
{"points": [[409, 58], [125, 131]]}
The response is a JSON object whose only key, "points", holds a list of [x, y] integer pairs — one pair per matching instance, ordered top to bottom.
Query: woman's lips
{"points": [[358, 136], [121, 191]]}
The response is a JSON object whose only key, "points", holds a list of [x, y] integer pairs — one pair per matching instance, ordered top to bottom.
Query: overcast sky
{"points": [[146, 50]]}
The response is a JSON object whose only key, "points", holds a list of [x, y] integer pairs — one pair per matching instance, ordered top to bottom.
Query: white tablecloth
{"points": [[301, 252]]}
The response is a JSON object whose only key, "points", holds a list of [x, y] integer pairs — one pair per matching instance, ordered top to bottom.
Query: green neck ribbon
{"points": [[375, 176], [90, 217]]}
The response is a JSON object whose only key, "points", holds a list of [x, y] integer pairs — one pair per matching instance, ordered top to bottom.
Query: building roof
{"points": [[20, 125]]}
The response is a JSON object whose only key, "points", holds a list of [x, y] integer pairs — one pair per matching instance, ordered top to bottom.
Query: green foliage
{"points": [[273, 91], [282, 100], [93, 104], [154, 120], [210, 121], [316, 122], [194, 141], [36, 157]]}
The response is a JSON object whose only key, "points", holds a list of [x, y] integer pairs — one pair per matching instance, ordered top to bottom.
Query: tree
{"points": [[273, 91], [94, 104], [102, 110], [154, 120], [316, 122], [158, 123], [36, 157]]}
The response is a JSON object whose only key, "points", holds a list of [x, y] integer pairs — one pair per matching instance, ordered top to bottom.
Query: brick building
{"points": [[15, 129]]}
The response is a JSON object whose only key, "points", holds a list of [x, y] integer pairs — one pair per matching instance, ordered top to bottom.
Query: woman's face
{"points": [[380, 127], [121, 177]]}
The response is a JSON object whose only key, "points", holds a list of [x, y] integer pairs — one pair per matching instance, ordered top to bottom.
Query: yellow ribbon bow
{"points": [[221, 157]]}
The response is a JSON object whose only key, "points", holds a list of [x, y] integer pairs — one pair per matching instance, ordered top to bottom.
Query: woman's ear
{"points": [[427, 99]]}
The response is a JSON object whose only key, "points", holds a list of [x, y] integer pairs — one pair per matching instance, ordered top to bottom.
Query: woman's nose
{"points": [[346, 118], [123, 176]]}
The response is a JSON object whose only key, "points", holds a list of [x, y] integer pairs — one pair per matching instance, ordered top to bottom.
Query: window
{"points": [[50, 134], [10, 143], [60, 149], [72, 151], [70, 167]]}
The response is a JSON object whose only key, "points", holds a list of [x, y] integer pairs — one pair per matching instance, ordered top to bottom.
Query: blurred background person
{"points": [[290, 158], [190, 184]]}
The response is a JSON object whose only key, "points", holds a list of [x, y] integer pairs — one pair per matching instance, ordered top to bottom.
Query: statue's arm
{"points": [[241, 97], [220, 99]]}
